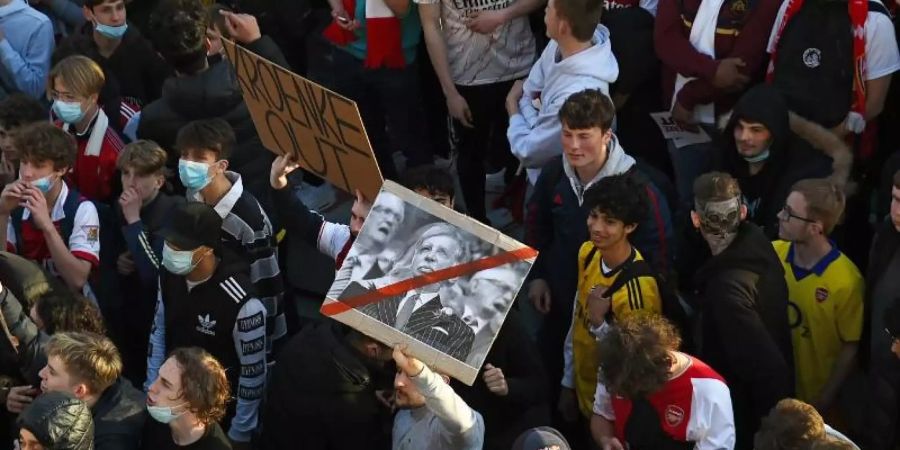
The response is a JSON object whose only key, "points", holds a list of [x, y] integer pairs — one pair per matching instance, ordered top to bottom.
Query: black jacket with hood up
{"points": [[214, 93], [800, 149], [745, 336], [322, 395]]}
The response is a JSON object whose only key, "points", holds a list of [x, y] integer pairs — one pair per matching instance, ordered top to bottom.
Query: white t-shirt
{"points": [[882, 56], [477, 59]]}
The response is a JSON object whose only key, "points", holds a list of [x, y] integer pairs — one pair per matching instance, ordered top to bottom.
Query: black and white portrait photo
{"points": [[431, 278]]}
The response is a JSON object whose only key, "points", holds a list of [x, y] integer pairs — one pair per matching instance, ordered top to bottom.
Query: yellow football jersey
{"points": [[640, 294], [825, 311]]}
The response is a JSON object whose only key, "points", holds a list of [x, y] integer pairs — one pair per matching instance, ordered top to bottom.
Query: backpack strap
{"points": [[879, 8], [70, 209], [16, 221], [590, 257], [630, 271]]}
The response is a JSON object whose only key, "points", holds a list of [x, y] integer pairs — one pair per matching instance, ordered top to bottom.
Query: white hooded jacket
{"points": [[534, 133]]}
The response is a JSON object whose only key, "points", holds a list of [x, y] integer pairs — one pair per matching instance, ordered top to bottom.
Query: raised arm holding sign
{"points": [[322, 130]]}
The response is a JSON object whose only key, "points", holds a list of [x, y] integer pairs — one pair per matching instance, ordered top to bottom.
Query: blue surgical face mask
{"points": [[112, 32], [68, 112], [758, 158], [194, 175], [43, 184], [178, 262], [164, 414]]}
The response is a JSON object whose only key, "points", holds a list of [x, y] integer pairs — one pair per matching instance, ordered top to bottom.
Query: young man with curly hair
{"points": [[42, 217], [608, 285], [650, 395], [186, 401]]}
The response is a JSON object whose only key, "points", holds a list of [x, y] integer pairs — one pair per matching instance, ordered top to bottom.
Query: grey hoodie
{"points": [[534, 133], [617, 162]]}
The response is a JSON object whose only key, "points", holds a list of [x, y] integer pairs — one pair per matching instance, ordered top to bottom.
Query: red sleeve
{"points": [[751, 44], [673, 46], [697, 92], [86, 256]]}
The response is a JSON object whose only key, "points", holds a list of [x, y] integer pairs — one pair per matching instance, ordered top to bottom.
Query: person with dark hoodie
{"points": [[106, 37], [711, 52], [202, 91], [767, 149], [882, 291], [742, 302], [328, 378], [56, 421]]}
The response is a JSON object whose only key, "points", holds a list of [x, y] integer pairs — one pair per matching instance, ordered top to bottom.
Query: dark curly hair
{"points": [[177, 29], [590, 108], [19, 109], [42, 141], [618, 197], [63, 311], [635, 356], [204, 385]]}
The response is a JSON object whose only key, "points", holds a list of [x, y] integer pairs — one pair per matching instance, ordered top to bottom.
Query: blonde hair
{"points": [[80, 74], [145, 157], [824, 201], [89, 358], [791, 425]]}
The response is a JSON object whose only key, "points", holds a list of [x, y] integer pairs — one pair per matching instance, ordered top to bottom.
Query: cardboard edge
{"points": [[434, 359]]}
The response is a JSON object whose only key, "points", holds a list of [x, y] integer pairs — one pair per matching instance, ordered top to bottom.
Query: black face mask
{"points": [[213, 59]]}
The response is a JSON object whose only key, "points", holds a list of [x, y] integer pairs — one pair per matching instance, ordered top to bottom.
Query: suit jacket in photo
{"points": [[432, 324]]}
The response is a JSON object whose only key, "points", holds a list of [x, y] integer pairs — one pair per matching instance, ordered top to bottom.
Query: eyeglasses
{"points": [[63, 96], [786, 210], [893, 338]]}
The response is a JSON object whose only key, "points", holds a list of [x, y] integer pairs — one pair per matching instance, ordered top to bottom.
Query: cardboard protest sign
{"points": [[295, 116], [679, 135], [429, 277]]}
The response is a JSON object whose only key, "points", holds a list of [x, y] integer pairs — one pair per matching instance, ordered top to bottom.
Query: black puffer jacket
{"points": [[213, 93], [745, 335], [59, 422]]}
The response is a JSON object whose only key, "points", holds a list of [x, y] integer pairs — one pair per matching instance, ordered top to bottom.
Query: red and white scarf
{"points": [[859, 11], [383, 35]]}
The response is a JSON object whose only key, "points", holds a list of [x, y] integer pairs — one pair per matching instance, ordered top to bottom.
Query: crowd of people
{"points": [[737, 291]]}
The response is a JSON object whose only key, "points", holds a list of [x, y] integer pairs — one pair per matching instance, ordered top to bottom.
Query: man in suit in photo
{"points": [[420, 313]]}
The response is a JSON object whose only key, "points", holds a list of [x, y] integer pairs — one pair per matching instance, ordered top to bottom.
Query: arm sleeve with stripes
{"points": [[250, 343]]}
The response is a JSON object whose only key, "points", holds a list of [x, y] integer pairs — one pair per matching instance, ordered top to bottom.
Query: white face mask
{"points": [[179, 262], [164, 414]]}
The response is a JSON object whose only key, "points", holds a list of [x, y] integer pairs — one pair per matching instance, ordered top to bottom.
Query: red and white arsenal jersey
{"points": [[694, 406]]}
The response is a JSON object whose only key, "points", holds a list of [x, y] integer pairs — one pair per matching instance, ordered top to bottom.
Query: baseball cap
{"points": [[192, 225], [541, 438]]}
